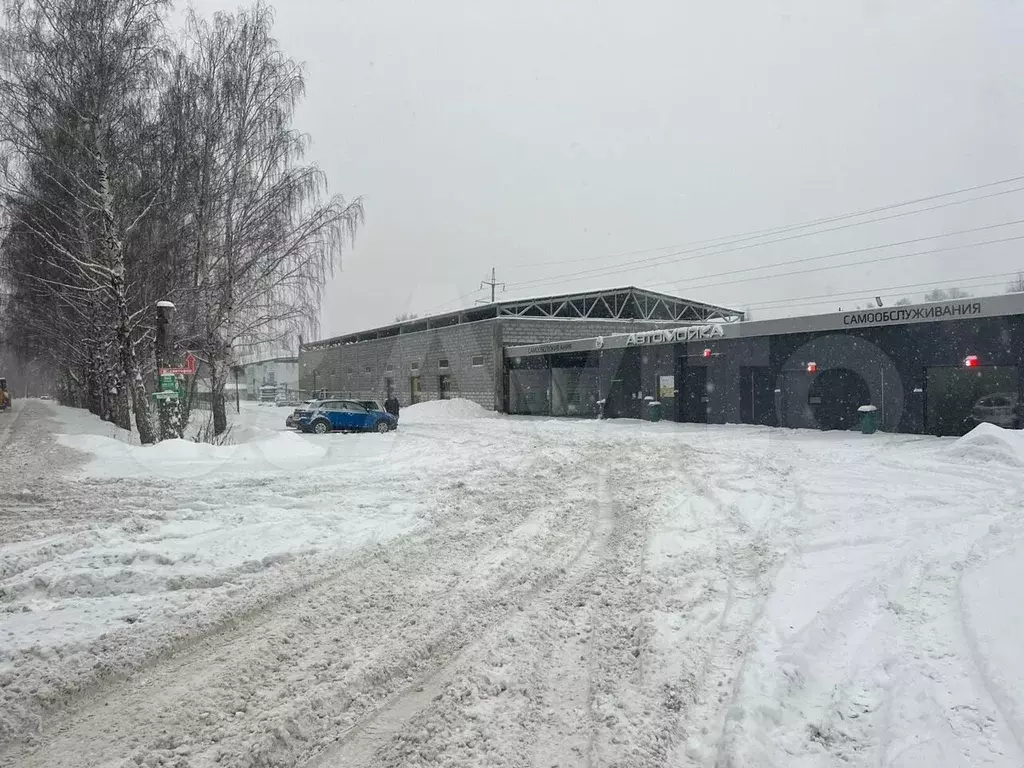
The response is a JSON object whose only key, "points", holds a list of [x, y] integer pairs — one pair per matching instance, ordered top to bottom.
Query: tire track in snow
{"points": [[745, 563], [209, 676], [562, 677], [390, 731]]}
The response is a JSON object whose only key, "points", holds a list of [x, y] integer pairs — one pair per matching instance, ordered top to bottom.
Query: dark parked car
{"points": [[347, 416]]}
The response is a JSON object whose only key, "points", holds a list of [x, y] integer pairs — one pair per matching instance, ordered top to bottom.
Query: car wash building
{"points": [[461, 354], [937, 368]]}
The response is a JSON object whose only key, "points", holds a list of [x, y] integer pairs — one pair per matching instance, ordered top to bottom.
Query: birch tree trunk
{"points": [[112, 253], [218, 377]]}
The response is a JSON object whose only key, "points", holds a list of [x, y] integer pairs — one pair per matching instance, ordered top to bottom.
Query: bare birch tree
{"points": [[75, 76], [132, 171], [266, 237]]}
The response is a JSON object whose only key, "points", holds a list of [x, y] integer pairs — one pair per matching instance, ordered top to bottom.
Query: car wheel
{"points": [[383, 426], [321, 427]]}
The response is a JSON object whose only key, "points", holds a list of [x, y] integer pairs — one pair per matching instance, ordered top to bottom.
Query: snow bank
{"points": [[445, 410], [257, 441], [987, 443], [183, 458]]}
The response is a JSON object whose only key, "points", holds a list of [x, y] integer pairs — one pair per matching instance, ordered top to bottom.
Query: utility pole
{"points": [[493, 283]]}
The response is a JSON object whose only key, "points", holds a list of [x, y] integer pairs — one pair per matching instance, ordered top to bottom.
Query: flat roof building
{"points": [[461, 354], [936, 368]]}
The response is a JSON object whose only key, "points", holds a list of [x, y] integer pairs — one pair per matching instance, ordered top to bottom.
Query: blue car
{"points": [[347, 416]]}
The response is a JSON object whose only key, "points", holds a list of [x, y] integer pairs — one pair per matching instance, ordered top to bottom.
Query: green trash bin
{"points": [[654, 410], [868, 419]]}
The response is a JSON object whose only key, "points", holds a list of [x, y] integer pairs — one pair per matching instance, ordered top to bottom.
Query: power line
{"points": [[778, 229], [752, 235], [697, 254], [820, 257], [842, 266], [824, 298]]}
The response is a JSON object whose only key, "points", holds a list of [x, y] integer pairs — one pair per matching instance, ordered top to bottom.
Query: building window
{"points": [[478, 361], [442, 363], [414, 366], [389, 368], [369, 369]]}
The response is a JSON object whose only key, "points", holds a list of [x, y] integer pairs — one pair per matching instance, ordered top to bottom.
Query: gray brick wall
{"points": [[360, 370]]}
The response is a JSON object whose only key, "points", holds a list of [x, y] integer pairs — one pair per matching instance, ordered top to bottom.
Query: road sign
{"points": [[189, 369], [166, 395]]}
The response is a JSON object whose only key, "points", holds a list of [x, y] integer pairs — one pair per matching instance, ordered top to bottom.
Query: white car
{"points": [[999, 409]]}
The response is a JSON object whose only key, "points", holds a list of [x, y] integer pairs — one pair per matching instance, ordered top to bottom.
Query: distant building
{"points": [[279, 372]]}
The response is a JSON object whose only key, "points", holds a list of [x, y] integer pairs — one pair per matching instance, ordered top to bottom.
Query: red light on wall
{"points": [[707, 353], [971, 361], [812, 367]]}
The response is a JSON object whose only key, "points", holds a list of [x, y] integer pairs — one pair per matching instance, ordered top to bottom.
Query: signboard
{"points": [[900, 315], [673, 335], [551, 348], [189, 369], [168, 382], [666, 387]]}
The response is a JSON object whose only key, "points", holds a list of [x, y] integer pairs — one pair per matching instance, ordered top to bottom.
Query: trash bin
{"points": [[654, 410], [868, 419]]}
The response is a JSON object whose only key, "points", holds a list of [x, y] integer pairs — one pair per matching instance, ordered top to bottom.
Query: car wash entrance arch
{"points": [[938, 368]]}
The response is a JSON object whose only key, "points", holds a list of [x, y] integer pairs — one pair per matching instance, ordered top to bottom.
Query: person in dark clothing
{"points": [[391, 404]]}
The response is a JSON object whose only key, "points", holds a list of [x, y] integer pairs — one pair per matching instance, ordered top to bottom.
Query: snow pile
{"points": [[444, 410], [257, 441], [987, 443], [185, 459]]}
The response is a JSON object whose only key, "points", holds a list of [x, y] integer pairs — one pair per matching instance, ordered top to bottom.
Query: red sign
{"points": [[191, 365]]}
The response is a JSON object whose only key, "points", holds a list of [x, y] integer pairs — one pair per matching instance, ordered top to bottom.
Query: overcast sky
{"points": [[546, 139]]}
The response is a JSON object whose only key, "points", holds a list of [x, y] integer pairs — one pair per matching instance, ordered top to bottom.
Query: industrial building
{"points": [[462, 354], [936, 368]]}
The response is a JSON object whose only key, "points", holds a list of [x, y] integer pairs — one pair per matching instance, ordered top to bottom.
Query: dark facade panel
{"points": [[913, 373]]}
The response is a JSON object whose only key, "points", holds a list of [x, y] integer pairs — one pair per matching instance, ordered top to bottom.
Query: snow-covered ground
{"points": [[485, 590]]}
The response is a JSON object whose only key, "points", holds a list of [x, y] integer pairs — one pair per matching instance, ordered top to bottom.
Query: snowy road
{"points": [[495, 591]]}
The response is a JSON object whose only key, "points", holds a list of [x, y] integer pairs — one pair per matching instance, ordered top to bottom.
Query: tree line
{"points": [[142, 164]]}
